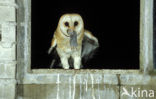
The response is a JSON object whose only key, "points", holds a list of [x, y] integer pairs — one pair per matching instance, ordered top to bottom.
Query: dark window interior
{"points": [[115, 24], [154, 34]]}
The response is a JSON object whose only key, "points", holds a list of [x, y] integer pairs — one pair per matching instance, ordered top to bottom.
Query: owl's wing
{"points": [[53, 44], [89, 46], [52, 50], [55, 62]]}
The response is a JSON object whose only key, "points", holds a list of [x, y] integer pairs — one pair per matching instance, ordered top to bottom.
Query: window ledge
{"points": [[84, 71]]}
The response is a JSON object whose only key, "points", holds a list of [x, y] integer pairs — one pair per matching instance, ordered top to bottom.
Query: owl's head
{"points": [[71, 23]]}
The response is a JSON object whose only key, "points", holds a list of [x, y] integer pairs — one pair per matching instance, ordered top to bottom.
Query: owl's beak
{"points": [[70, 31], [73, 38]]}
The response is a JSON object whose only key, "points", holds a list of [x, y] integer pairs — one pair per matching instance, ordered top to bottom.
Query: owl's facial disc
{"points": [[71, 26], [73, 38]]}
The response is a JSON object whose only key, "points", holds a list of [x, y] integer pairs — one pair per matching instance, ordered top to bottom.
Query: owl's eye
{"points": [[76, 23], [66, 24]]}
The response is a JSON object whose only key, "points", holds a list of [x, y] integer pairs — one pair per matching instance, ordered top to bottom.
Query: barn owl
{"points": [[71, 40]]}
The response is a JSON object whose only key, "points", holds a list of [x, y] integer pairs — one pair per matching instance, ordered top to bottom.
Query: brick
{"points": [[7, 1], [7, 13], [8, 32], [7, 54], [7, 70], [7, 88]]}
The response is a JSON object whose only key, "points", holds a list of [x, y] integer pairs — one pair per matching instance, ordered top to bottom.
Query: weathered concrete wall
{"points": [[7, 49], [65, 84], [90, 86], [7, 88], [68, 91], [83, 91]]}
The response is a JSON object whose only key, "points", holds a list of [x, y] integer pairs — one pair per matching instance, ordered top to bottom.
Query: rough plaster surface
{"points": [[6, 1], [7, 13], [8, 30], [146, 35], [7, 49], [8, 54], [7, 70], [86, 78], [136, 79], [7, 88], [68, 91], [81, 91]]}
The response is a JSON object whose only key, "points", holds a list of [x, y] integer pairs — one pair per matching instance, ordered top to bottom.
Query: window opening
{"points": [[116, 27]]}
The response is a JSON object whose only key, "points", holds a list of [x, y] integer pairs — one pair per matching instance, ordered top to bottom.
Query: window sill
{"points": [[84, 71]]}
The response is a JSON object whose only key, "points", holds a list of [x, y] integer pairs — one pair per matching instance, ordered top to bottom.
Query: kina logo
{"points": [[137, 93]]}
